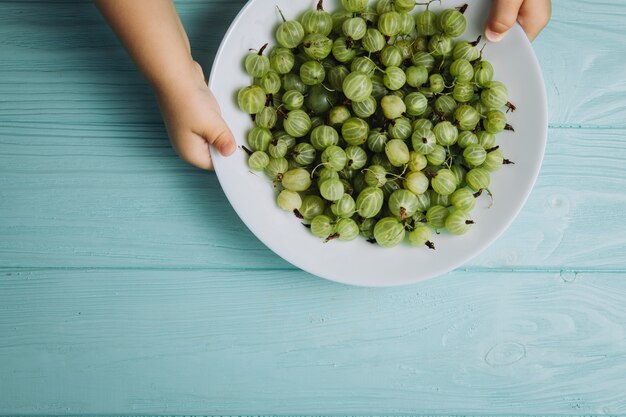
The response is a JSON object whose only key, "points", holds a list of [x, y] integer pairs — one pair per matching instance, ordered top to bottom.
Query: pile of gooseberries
{"points": [[375, 121]]}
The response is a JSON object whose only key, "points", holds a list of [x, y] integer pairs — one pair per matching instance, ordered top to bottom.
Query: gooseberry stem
{"points": [[320, 5], [462, 9], [281, 14], [474, 43], [262, 49], [375, 65], [511, 106], [281, 113], [509, 127], [248, 151], [317, 166], [331, 237]]}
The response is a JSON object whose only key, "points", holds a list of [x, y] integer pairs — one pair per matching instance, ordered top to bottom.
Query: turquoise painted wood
{"points": [[129, 286]]}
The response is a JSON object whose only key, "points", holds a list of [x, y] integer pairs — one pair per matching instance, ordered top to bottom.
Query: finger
{"points": [[534, 15], [502, 17], [218, 134], [194, 150]]}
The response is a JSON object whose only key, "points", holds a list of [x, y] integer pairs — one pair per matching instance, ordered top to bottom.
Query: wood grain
{"points": [[127, 201], [119, 341]]}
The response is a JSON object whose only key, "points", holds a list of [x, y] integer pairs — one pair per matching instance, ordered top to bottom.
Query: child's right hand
{"points": [[533, 15]]}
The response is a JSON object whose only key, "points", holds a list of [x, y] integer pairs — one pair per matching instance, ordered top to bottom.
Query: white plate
{"points": [[358, 262]]}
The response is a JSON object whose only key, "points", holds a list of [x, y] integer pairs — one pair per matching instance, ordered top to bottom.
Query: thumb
{"points": [[502, 17], [218, 134]]}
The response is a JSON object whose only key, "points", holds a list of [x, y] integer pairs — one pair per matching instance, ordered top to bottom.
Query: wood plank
{"points": [[580, 53], [120, 197], [223, 342]]}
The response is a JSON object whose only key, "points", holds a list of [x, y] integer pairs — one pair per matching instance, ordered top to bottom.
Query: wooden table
{"points": [[129, 285]]}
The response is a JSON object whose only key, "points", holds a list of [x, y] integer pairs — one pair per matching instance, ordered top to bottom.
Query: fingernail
{"points": [[493, 36], [228, 148]]}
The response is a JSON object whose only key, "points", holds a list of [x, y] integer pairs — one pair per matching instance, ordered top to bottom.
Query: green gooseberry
{"points": [[317, 21], [452, 22], [389, 23], [426, 23], [354, 28], [290, 34], [373, 41], [440, 45], [317, 46], [342, 50], [391, 56], [282, 60], [257, 64], [462, 70], [312, 73], [336, 75], [416, 75], [394, 78], [357, 86], [251, 99], [293, 99], [416, 104], [392, 107], [365, 108], [467, 117], [297, 123], [354, 131], [446, 133], [324, 136], [259, 138], [376, 140], [423, 141], [397, 152], [304, 153], [334, 157], [357, 157], [258, 161], [478, 178], [417, 182], [444, 182], [331, 189], [289, 200], [369, 202], [402, 203], [312, 205], [344, 207], [436, 216], [458, 222], [322, 226], [346, 229], [389, 232], [420, 236]]}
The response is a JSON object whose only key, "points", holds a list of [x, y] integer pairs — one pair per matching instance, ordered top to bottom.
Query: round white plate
{"points": [[359, 262]]}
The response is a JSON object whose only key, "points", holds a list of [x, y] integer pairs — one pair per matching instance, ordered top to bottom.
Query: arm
{"points": [[533, 15], [154, 37]]}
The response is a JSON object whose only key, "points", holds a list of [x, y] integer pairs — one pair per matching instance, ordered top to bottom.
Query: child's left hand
{"points": [[193, 120]]}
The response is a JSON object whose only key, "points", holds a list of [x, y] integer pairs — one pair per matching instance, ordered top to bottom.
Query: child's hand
{"points": [[533, 15], [193, 120]]}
